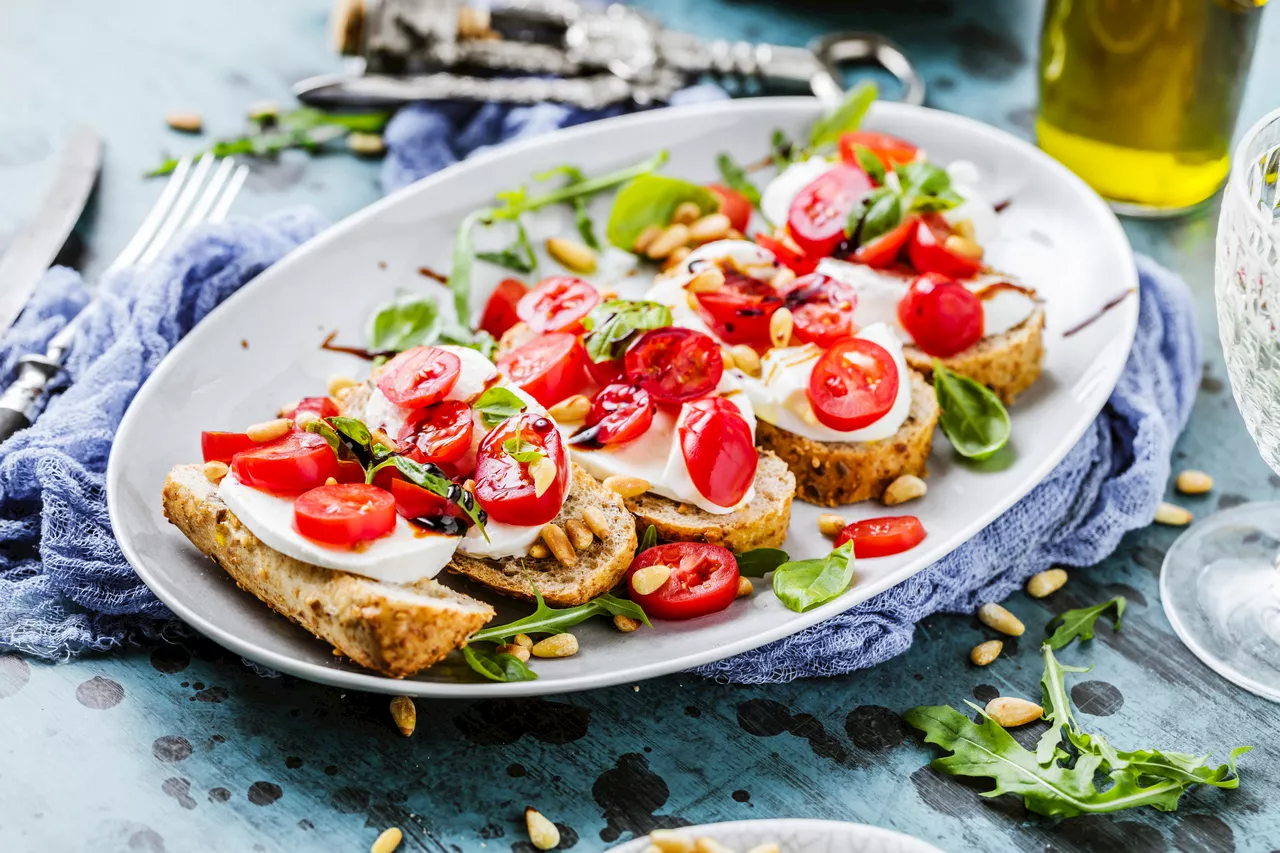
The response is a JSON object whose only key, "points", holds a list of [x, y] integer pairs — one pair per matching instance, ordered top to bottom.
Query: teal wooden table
{"points": [[182, 748]]}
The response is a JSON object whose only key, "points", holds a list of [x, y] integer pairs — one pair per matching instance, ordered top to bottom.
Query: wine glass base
{"points": [[1221, 591]]}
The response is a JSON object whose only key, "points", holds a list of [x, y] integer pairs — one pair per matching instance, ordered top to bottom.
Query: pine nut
{"points": [[184, 120], [366, 144], [686, 212], [713, 226], [965, 229], [735, 234], [647, 236], [672, 238], [963, 246], [572, 255], [676, 258], [783, 278], [706, 280], [609, 295], [691, 299], [780, 326], [726, 355], [746, 359], [338, 384], [288, 409], [570, 410], [304, 418], [269, 430], [215, 471], [543, 471], [331, 481], [1192, 482], [469, 485], [626, 487], [908, 487], [1176, 516], [596, 522], [830, 524], [579, 536], [556, 540], [538, 551], [650, 578], [1044, 583], [745, 587], [997, 618], [625, 623], [523, 640], [556, 646], [515, 651], [985, 653], [1010, 711], [405, 713], [542, 832], [388, 841], [670, 841], [710, 845], [766, 848]]}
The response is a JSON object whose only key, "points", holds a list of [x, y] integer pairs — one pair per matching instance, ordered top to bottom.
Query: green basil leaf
{"points": [[845, 118], [782, 151], [870, 163], [735, 178], [923, 178], [652, 200], [945, 200], [882, 215], [581, 216], [518, 256], [404, 323], [612, 326], [479, 340], [497, 404], [973, 418], [322, 429], [352, 429], [522, 451], [432, 479], [648, 540], [758, 562], [806, 584], [552, 620], [495, 665]]}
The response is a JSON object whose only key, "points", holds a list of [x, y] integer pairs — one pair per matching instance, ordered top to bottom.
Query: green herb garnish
{"points": [[845, 118], [782, 151], [870, 163], [735, 178], [918, 187], [652, 200], [581, 216], [518, 257], [404, 323], [612, 326], [497, 404], [973, 418], [522, 451], [648, 539], [758, 562], [806, 584], [551, 620], [1079, 624], [496, 666]]}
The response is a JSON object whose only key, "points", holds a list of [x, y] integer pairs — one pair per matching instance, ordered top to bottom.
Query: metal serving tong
{"points": [[530, 51]]}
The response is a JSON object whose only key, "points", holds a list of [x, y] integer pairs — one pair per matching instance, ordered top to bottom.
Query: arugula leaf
{"points": [[845, 118], [782, 150], [870, 163], [735, 178], [652, 200], [581, 216], [518, 256], [404, 323], [612, 325], [496, 405], [973, 418], [648, 540], [758, 562], [805, 584], [552, 620], [1079, 624], [495, 665], [1057, 708]]}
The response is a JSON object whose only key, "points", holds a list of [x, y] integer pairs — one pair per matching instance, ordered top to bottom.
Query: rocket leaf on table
{"points": [[552, 620], [1079, 623]]}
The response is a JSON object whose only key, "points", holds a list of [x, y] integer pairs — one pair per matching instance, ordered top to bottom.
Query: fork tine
{"points": [[216, 183], [233, 189], [179, 211], [151, 223]]}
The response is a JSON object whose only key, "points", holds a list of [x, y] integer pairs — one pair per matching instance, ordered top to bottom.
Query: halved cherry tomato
{"points": [[891, 150], [734, 205], [820, 213], [927, 250], [883, 251], [790, 255], [558, 304], [821, 309], [500, 311], [740, 311], [942, 316], [674, 364], [549, 368], [605, 372], [419, 376], [853, 384], [323, 407], [620, 413], [439, 433], [221, 446], [718, 450], [291, 465], [504, 486], [413, 501], [345, 513], [881, 537], [704, 580]]}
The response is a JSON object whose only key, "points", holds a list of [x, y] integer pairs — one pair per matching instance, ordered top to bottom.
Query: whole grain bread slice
{"points": [[1007, 363], [843, 472]]}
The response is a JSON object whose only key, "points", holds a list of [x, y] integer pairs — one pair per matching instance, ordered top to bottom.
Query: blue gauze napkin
{"points": [[65, 587]]}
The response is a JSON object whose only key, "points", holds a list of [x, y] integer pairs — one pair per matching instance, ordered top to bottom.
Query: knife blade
{"points": [[37, 244]]}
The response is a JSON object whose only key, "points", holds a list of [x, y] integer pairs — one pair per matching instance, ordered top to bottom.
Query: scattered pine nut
{"points": [[184, 120], [366, 144], [686, 212], [713, 226], [965, 229], [647, 236], [673, 237], [963, 246], [572, 255], [676, 258], [783, 278], [706, 280], [692, 299], [780, 326], [726, 355], [746, 359], [338, 384], [288, 409], [571, 409], [306, 417], [269, 430], [214, 471], [543, 471], [331, 481], [1191, 482], [469, 485], [626, 487], [908, 487], [1175, 516], [596, 522], [830, 524], [579, 535], [558, 543], [538, 551], [650, 578], [1045, 583], [745, 587], [997, 618], [625, 623], [523, 640], [556, 646], [514, 650], [984, 653], [1010, 711], [405, 713], [542, 832], [388, 841], [671, 841], [710, 845], [766, 848]]}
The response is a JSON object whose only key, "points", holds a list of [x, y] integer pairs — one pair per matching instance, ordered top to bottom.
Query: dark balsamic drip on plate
{"points": [[428, 272], [1098, 316], [358, 352], [585, 438], [444, 525]]}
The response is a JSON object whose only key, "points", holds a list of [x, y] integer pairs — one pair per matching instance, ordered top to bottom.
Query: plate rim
{"points": [[373, 682], [767, 824]]}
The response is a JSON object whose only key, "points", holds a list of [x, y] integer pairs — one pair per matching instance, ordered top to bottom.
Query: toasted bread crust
{"points": [[1007, 363], [835, 473], [762, 523], [396, 630]]}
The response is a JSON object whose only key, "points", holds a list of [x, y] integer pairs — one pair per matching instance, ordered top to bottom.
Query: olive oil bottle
{"points": [[1139, 97]]}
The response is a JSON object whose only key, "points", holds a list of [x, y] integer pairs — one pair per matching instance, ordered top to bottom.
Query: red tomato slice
{"points": [[891, 150], [734, 205], [820, 213], [883, 251], [787, 252], [928, 253], [558, 304], [821, 308], [500, 311], [739, 312], [942, 316], [675, 364], [548, 368], [605, 372], [419, 376], [853, 384], [323, 407], [620, 413], [440, 433], [221, 446], [718, 450], [291, 465], [351, 471], [504, 486], [413, 501], [345, 514], [882, 537], [704, 580]]}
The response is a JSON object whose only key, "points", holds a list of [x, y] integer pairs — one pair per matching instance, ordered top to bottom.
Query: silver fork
{"points": [[191, 197]]}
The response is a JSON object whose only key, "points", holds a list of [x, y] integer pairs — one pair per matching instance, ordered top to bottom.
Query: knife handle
{"points": [[17, 403], [12, 421]]}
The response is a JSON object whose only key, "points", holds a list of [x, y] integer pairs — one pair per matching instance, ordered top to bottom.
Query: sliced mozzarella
{"points": [[965, 181], [775, 201], [668, 289], [1002, 307], [476, 375], [505, 540]]}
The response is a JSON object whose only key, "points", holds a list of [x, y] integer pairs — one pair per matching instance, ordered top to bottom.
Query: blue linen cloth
{"points": [[66, 589]]}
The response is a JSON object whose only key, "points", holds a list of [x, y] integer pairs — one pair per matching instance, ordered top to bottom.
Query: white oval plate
{"points": [[1062, 240], [794, 835]]}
